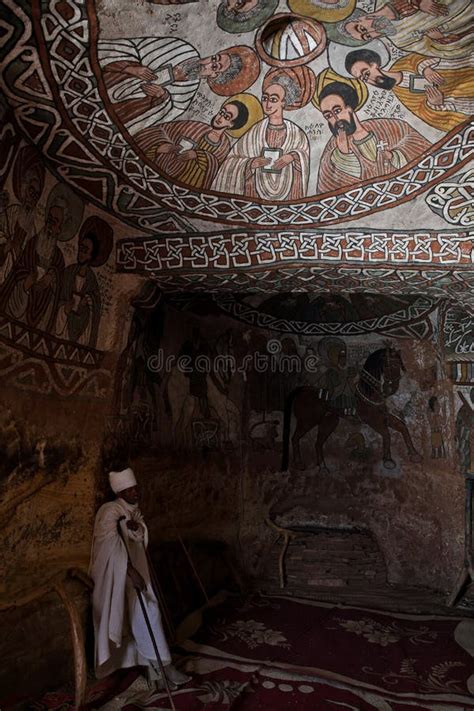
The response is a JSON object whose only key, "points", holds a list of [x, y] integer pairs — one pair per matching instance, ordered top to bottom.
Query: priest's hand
{"points": [[433, 7], [167, 148], [187, 155], [386, 156], [283, 161], [259, 162], [133, 525], [137, 580]]}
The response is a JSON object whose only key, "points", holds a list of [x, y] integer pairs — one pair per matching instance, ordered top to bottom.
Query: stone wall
{"points": [[214, 442]]}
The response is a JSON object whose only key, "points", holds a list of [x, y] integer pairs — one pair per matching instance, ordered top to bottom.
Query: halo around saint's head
{"points": [[322, 10], [245, 21], [337, 32], [327, 76], [299, 84], [255, 113], [61, 196], [101, 232]]}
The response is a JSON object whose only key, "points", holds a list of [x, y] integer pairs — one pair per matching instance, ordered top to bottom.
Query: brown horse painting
{"points": [[378, 379]]}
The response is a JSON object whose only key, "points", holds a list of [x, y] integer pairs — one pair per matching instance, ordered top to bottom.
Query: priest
{"points": [[119, 568]]}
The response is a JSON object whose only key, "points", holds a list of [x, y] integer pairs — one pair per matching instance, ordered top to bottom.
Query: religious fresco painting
{"points": [[282, 103], [282, 188], [55, 281], [273, 371]]}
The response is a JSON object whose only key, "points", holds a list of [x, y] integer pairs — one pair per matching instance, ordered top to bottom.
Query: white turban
{"points": [[119, 481]]}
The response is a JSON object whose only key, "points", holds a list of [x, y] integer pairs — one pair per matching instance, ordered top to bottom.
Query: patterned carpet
{"points": [[276, 653]]}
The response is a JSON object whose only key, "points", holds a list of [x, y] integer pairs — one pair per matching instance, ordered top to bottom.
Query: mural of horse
{"points": [[379, 378]]}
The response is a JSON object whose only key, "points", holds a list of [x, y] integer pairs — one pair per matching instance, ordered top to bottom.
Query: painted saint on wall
{"points": [[434, 29], [154, 79], [439, 91], [359, 149], [193, 151], [271, 160], [21, 220], [31, 291], [79, 301]]}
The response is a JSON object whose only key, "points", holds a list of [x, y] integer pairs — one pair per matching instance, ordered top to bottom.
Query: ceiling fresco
{"points": [[268, 120], [308, 144]]}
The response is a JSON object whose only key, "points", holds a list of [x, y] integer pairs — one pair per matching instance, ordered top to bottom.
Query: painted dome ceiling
{"points": [[300, 145]]}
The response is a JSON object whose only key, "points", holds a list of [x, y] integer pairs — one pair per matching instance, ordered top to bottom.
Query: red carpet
{"points": [[275, 653], [403, 656], [250, 688]]}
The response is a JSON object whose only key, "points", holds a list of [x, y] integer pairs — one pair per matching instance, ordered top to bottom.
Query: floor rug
{"points": [[276, 653], [417, 658], [227, 686]]}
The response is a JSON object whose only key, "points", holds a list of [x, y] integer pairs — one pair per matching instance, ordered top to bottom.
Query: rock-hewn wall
{"points": [[214, 441]]}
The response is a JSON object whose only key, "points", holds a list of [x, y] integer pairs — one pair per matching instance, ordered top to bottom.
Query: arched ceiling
{"points": [[209, 131]]}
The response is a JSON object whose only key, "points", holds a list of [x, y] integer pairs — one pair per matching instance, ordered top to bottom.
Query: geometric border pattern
{"points": [[218, 251], [438, 264], [435, 282], [409, 320], [44, 346]]}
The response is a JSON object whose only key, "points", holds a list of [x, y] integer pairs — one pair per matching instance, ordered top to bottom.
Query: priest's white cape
{"points": [[121, 636]]}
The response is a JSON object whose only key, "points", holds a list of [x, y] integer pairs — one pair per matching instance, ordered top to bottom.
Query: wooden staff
{"points": [[157, 589], [147, 621]]}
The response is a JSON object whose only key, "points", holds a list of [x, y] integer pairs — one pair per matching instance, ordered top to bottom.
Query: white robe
{"points": [[160, 54], [231, 177], [121, 636]]}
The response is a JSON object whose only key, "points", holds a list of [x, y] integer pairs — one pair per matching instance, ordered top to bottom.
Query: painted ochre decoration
{"points": [[90, 131]]}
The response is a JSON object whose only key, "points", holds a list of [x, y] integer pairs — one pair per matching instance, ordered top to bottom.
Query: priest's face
{"points": [[211, 67], [370, 73], [273, 100], [339, 116], [225, 117], [130, 495]]}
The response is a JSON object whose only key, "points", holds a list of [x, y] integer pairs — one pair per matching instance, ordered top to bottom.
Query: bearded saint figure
{"points": [[433, 28], [154, 79], [439, 91], [359, 150], [271, 160], [31, 291], [79, 301]]}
